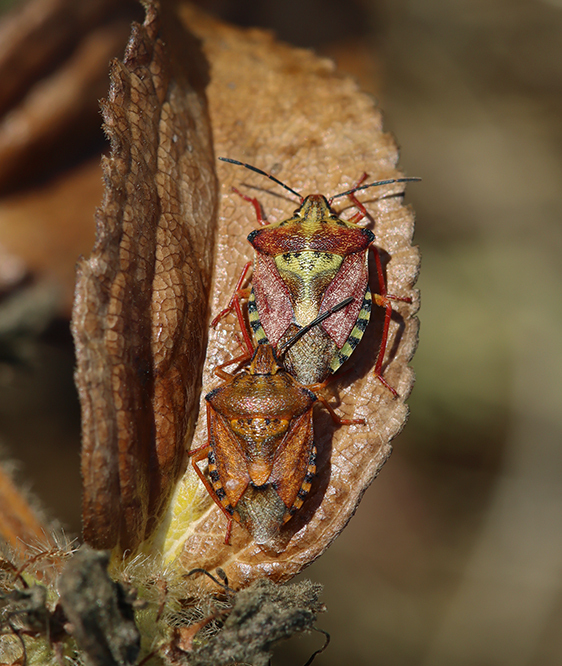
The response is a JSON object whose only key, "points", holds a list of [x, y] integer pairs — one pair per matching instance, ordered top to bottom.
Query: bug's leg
{"points": [[256, 204], [361, 210], [238, 293], [383, 300], [236, 305], [219, 372], [321, 385], [337, 419], [197, 455]]}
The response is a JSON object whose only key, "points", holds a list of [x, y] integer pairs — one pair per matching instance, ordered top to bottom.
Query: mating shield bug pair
{"points": [[305, 265], [308, 308], [260, 448]]}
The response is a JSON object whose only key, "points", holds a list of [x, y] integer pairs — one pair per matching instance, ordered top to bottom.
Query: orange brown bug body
{"points": [[303, 266], [260, 450]]}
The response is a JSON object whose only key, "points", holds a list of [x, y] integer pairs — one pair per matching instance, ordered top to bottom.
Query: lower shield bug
{"points": [[303, 266], [261, 451]]}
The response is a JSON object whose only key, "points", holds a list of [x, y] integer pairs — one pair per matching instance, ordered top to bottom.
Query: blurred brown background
{"points": [[455, 554]]}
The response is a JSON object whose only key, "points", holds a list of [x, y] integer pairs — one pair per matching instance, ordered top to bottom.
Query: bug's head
{"points": [[314, 209], [264, 361]]}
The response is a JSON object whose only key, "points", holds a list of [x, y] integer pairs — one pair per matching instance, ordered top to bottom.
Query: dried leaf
{"points": [[36, 35], [288, 111], [45, 230], [139, 363], [19, 526]]}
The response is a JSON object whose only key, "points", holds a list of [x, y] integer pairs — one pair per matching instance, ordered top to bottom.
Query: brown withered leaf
{"points": [[36, 34], [53, 65], [59, 107], [288, 111], [46, 229], [139, 363], [19, 525]]}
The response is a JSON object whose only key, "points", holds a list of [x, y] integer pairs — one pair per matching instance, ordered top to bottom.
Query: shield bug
{"points": [[303, 266], [260, 450]]}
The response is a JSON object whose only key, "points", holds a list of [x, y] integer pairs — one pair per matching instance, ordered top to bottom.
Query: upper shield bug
{"points": [[303, 266], [260, 448]]}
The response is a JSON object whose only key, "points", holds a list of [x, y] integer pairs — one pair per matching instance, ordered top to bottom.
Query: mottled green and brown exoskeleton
{"points": [[302, 267], [260, 450]]}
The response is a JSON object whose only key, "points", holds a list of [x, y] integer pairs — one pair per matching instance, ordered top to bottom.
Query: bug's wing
{"points": [[351, 280], [272, 298], [292, 462], [231, 465]]}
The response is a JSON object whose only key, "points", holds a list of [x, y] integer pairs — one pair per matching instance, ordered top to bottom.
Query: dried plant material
{"points": [[37, 34], [54, 57], [58, 108], [287, 111], [263, 112], [45, 230], [141, 308], [140, 326], [19, 526], [79, 612], [101, 616], [260, 616]]}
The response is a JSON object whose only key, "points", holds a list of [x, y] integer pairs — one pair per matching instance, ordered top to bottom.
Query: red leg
{"points": [[257, 207], [362, 211], [236, 295], [383, 300], [235, 304], [219, 372]]}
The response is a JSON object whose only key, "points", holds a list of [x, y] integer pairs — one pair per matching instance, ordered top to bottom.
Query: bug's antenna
{"points": [[263, 173], [375, 184], [304, 330], [222, 583], [326, 643]]}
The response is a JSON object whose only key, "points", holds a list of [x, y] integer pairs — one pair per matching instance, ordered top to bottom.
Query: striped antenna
{"points": [[263, 173], [375, 184]]}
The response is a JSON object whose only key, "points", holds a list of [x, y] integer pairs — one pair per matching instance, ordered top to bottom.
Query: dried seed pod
{"points": [[138, 363]]}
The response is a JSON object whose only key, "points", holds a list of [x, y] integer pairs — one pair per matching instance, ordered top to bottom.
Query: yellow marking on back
{"points": [[308, 262], [307, 275]]}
